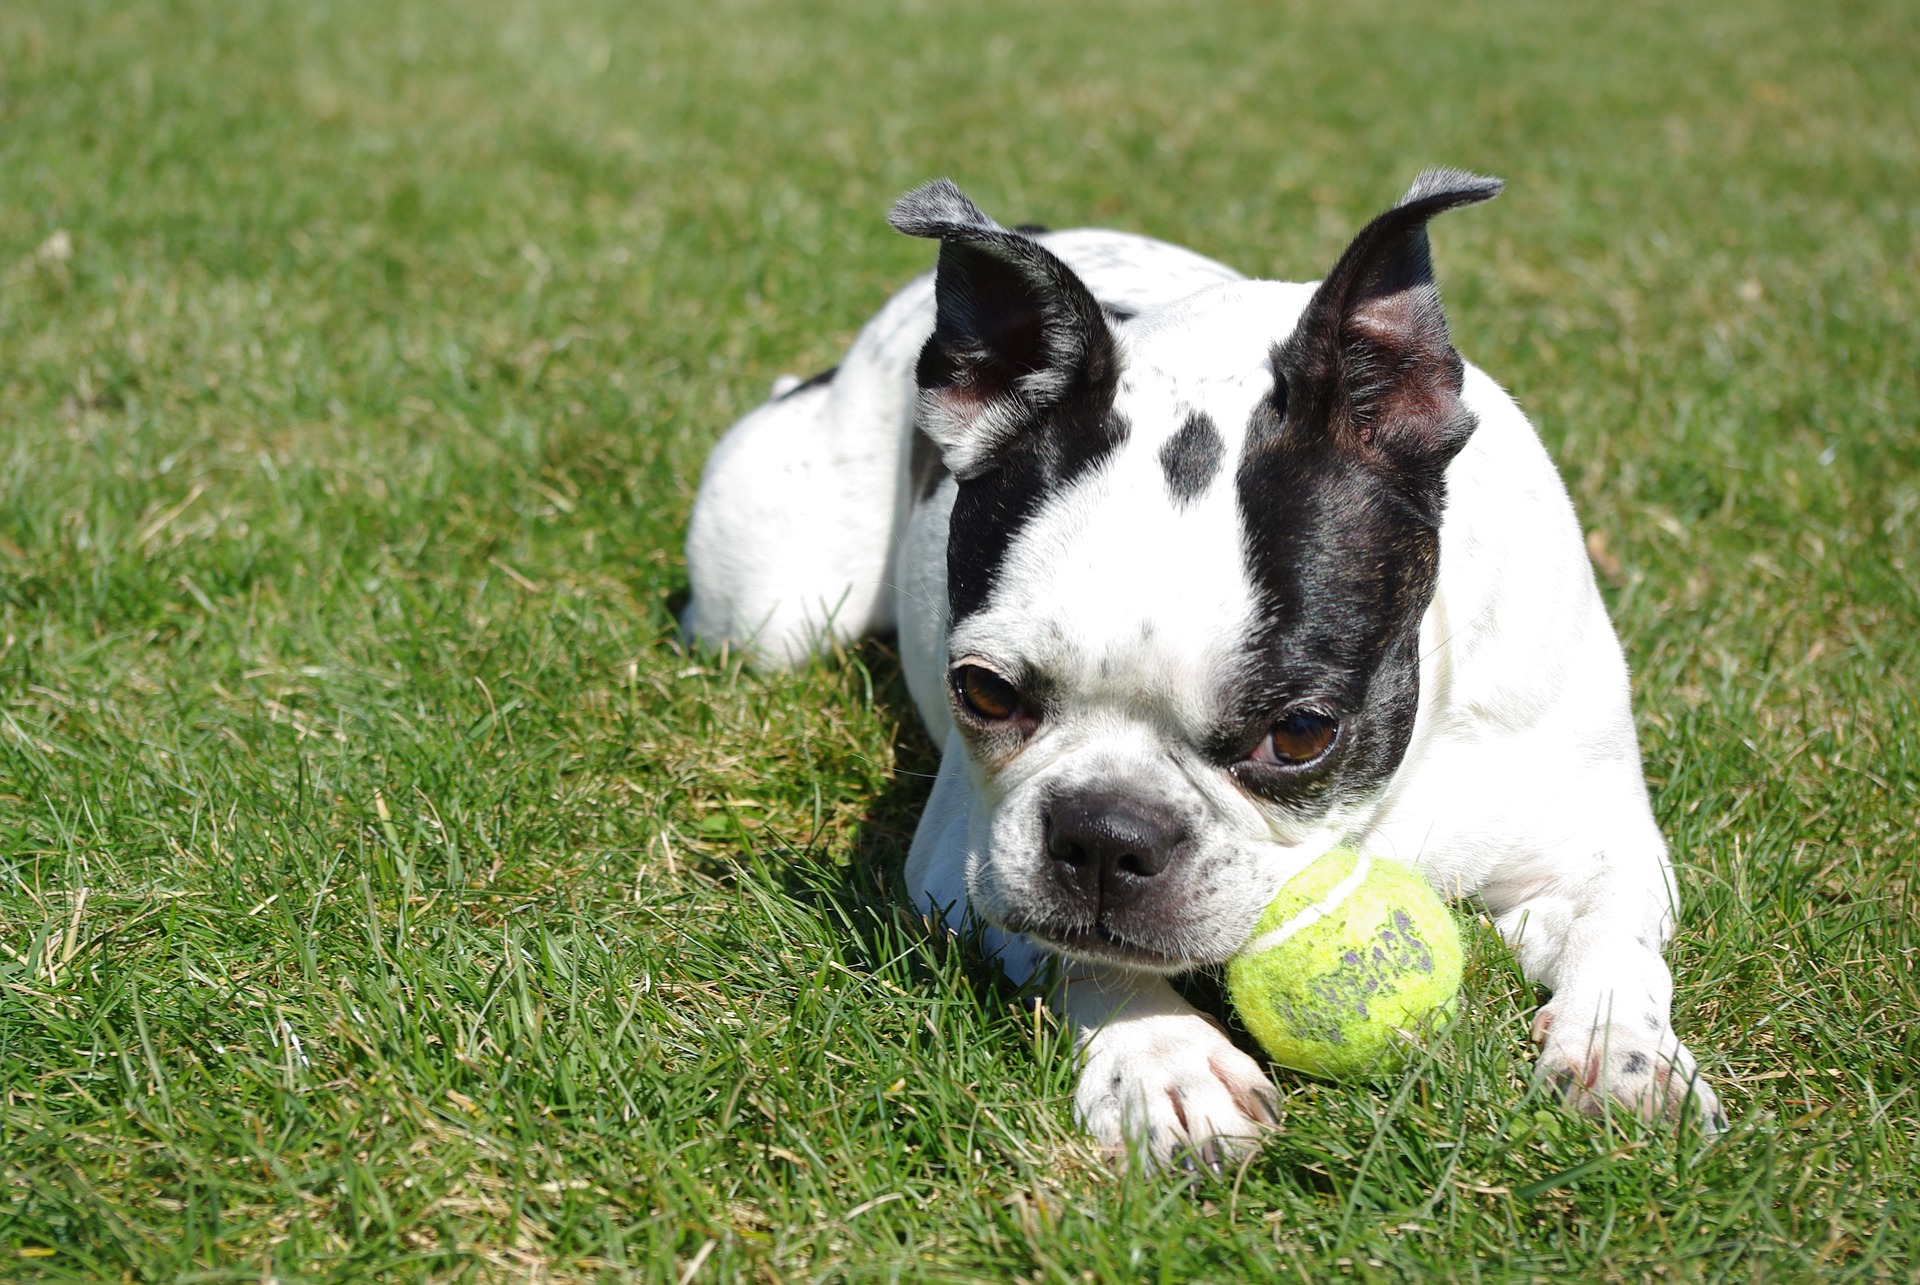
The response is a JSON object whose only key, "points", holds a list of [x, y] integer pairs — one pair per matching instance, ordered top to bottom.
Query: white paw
{"points": [[1637, 1063], [1173, 1090]]}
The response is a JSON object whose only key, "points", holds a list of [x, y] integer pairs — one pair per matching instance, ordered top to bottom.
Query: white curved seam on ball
{"points": [[1313, 914]]}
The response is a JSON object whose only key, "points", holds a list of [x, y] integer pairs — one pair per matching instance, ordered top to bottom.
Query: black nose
{"points": [[1106, 846]]}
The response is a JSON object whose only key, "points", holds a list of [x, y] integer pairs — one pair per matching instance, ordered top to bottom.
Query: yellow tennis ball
{"points": [[1352, 952]]}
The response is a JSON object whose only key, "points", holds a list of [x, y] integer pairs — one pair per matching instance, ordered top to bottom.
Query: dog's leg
{"points": [[1526, 788], [1593, 936], [1158, 1078]]}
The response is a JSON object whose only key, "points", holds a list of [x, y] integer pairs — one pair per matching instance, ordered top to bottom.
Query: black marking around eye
{"points": [[1191, 458], [1342, 490], [1343, 563]]}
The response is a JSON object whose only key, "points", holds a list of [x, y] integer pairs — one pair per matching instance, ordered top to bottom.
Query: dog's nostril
{"points": [[1105, 836], [1066, 851], [1070, 852]]}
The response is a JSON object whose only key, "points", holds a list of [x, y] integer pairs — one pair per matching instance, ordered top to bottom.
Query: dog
{"points": [[1194, 578]]}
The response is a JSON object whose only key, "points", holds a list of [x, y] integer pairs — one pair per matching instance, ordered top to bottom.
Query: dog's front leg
{"points": [[1593, 937], [1159, 1079]]}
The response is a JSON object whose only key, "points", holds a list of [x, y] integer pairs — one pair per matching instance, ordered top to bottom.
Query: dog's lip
{"points": [[1099, 943]]}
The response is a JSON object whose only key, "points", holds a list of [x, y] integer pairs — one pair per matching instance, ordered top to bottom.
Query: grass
{"points": [[384, 896]]}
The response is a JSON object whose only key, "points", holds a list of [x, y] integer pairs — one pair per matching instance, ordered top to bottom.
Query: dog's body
{"points": [[1195, 577]]}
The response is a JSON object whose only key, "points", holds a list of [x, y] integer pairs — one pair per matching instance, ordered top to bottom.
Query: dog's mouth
{"points": [[1098, 944]]}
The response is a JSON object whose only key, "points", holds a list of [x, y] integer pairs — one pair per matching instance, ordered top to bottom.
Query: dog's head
{"points": [[1187, 559]]}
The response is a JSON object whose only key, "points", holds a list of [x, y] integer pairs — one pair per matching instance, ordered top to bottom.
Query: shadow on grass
{"points": [[867, 891]]}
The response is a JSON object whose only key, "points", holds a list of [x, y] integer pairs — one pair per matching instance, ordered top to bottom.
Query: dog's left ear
{"points": [[1017, 333], [1371, 355]]}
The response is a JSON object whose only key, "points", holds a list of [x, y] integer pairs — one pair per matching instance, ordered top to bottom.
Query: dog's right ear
{"points": [[1017, 333]]}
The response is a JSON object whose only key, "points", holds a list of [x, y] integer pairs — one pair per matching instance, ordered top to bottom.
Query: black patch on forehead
{"points": [[1191, 458], [992, 508]]}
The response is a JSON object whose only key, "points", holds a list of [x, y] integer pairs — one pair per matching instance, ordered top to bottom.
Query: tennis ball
{"points": [[1351, 952]]}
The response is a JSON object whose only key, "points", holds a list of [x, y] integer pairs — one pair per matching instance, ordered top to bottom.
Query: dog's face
{"points": [[1188, 556]]}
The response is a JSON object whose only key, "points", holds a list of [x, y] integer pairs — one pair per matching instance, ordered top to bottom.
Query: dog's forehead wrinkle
{"points": [[1134, 677]]}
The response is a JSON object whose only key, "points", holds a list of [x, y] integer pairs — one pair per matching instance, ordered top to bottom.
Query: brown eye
{"points": [[986, 695], [1297, 739]]}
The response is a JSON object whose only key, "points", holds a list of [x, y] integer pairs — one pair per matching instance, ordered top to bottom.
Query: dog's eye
{"points": [[986, 695], [1297, 739]]}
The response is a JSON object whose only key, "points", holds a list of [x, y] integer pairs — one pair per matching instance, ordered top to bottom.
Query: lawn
{"points": [[385, 895]]}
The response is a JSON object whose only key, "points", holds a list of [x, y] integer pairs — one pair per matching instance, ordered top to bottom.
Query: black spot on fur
{"points": [[816, 381], [1192, 457], [1634, 1063]]}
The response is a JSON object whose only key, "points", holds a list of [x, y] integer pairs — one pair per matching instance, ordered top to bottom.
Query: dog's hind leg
{"points": [[790, 546]]}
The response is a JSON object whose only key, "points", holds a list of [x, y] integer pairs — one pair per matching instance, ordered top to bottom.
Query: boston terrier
{"points": [[1194, 578]]}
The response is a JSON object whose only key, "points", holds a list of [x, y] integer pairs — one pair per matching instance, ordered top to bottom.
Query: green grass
{"points": [[383, 895]]}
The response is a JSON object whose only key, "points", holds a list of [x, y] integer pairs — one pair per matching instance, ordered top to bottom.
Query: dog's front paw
{"points": [[1591, 1063], [1173, 1090]]}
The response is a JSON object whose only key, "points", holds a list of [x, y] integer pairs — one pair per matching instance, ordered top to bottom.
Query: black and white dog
{"points": [[1194, 578]]}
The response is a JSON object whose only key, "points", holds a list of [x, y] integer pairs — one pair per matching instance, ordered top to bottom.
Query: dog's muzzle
{"points": [[1109, 860]]}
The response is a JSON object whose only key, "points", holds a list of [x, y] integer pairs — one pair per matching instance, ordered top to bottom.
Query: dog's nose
{"points": [[1107, 845]]}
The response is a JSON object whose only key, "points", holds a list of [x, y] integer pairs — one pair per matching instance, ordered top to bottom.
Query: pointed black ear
{"points": [[1017, 333], [1372, 349]]}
